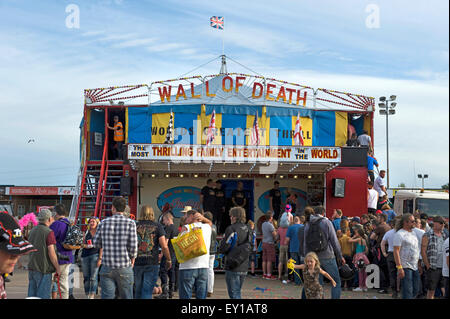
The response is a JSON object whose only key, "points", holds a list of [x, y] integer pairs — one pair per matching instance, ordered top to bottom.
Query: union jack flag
{"points": [[217, 22], [211, 129], [298, 138], [254, 140]]}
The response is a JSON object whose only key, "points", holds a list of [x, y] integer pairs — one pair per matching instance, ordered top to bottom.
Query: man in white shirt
{"points": [[365, 140], [380, 186], [372, 199], [406, 255], [194, 272]]}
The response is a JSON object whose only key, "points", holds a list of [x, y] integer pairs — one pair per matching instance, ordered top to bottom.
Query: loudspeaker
{"points": [[126, 186], [338, 187]]}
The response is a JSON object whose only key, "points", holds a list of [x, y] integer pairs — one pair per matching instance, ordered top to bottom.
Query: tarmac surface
{"points": [[253, 288]]}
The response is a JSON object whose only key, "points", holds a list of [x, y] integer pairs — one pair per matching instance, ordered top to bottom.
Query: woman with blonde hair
{"points": [[147, 213], [151, 236], [91, 259]]}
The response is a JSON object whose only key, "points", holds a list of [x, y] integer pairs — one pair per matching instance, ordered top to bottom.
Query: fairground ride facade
{"points": [[171, 145]]}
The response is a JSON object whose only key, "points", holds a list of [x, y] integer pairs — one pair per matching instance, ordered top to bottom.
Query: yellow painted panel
{"points": [[341, 130]]}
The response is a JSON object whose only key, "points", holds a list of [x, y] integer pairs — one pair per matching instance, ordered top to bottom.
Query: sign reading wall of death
{"points": [[253, 88], [234, 153]]}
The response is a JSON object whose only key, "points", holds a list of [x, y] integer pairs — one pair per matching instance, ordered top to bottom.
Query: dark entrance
{"points": [[112, 148], [229, 185]]}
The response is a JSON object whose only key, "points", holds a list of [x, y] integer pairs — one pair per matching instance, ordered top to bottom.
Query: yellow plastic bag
{"points": [[189, 244]]}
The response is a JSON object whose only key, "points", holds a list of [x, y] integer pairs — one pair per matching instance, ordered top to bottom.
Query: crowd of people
{"points": [[129, 258]]}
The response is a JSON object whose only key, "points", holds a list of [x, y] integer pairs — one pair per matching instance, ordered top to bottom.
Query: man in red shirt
{"points": [[12, 246]]}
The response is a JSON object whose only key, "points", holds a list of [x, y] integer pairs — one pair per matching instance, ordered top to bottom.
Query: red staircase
{"points": [[100, 182]]}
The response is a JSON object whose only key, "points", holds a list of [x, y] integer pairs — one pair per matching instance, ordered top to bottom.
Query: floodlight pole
{"points": [[385, 105], [387, 143]]}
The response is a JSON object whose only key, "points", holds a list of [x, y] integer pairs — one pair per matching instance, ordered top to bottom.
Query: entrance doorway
{"points": [[112, 147], [229, 185]]}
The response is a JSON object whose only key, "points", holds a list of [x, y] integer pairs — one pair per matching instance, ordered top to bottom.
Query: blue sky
{"points": [[46, 66]]}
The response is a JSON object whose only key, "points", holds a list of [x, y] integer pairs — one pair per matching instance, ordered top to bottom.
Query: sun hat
{"points": [[186, 209], [11, 238]]}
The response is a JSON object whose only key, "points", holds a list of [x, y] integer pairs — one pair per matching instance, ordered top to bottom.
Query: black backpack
{"points": [[74, 237], [316, 239], [240, 253]]}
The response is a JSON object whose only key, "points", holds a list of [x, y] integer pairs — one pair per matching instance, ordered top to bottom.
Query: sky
{"points": [[374, 48]]}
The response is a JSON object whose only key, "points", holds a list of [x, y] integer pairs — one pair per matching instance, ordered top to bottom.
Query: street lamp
{"points": [[386, 109], [422, 177]]}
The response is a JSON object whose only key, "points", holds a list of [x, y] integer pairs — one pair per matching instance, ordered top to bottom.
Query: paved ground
{"points": [[254, 288]]}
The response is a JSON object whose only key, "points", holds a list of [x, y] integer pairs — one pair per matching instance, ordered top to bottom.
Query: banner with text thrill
{"points": [[234, 125], [233, 153]]}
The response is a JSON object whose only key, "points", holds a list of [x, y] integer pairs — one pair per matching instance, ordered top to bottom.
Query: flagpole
{"points": [[223, 38]]}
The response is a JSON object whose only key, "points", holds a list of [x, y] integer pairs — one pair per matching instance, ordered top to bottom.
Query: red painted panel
{"points": [[354, 202]]}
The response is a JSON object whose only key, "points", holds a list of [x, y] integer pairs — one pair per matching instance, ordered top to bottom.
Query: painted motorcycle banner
{"points": [[178, 198], [264, 199]]}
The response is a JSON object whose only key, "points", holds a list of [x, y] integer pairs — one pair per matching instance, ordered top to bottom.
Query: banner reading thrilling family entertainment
{"points": [[233, 153]]}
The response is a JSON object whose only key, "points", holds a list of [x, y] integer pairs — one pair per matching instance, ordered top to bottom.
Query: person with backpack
{"points": [[60, 228], [320, 237], [236, 245]]}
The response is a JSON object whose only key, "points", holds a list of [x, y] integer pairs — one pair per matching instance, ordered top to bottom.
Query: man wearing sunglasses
{"points": [[406, 255]]}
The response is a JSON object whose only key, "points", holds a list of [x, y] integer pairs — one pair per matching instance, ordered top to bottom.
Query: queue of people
{"points": [[127, 258]]}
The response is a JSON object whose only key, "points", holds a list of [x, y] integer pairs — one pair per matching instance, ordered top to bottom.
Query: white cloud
{"points": [[134, 43], [165, 47]]}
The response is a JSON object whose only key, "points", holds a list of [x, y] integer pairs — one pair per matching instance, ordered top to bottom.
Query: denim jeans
{"points": [[330, 266], [90, 274], [120, 278], [145, 278], [193, 280], [235, 281], [39, 284], [410, 284]]}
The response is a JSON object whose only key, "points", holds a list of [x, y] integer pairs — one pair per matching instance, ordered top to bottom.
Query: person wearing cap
{"points": [[186, 209], [60, 227], [12, 247], [431, 251], [44, 261]]}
